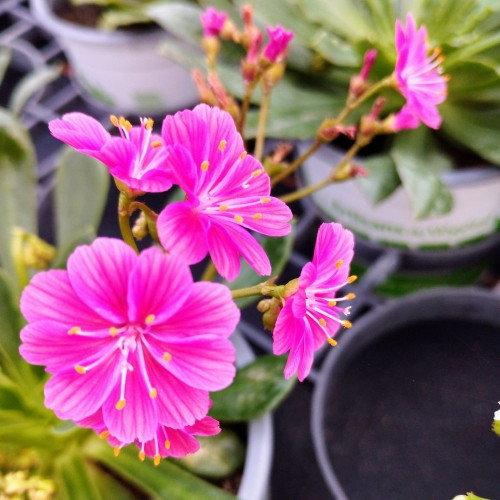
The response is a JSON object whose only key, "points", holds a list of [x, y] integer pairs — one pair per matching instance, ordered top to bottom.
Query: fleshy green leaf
{"points": [[334, 49], [5, 57], [30, 84], [478, 127], [419, 163], [382, 178], [17, 185], [81, 191], [84, 237], [278, 251], [258, 388], [496, 427], [219, 456], [74, 478], [165, 481], [109, 486], [471, 496]]}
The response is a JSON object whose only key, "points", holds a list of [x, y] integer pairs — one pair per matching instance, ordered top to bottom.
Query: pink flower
{"points": [[212, 21], [279, 39], [418, 74], [405, 119], [137, 157], [227, 191], [311, 314], [130, 336], [167, 442]]}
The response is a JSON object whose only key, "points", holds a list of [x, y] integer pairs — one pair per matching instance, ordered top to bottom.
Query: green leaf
{"points": [[113, 19], [334, 49], [5, 57], [470, 79], [32, 83], [478, 127], [419, 163], [382, 179], [17, 185], [81, 192], [86, 236], [278, 251], [11, 322], [258, 388], [219, 456], [74, 478], [165, 481], [109, 486], [471, 496]]}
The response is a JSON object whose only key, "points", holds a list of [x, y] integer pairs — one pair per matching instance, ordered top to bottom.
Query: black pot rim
{"points": [[471, 303]]}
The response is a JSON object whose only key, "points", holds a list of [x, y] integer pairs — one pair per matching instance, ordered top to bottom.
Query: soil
{"points": [[84, 15], [411, 416]]}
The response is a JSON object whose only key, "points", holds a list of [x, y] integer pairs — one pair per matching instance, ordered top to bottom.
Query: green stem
{"points": [[245, 105], [261, 129], [296, 163], [335, 176], [124, 221], [210, 272], [247, 292]]}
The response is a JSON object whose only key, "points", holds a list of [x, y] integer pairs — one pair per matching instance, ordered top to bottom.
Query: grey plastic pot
{"points": [[118, 70], [425, 444]]}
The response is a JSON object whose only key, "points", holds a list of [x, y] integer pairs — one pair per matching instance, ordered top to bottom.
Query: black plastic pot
{"points": [[404, 405]]}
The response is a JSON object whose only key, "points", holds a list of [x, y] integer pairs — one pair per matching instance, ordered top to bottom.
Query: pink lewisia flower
{"points": [[212, 21], [279, 39], [418, 74], [137, 157], [227, 191], [311, 314], [129, 336], [167, 442]]}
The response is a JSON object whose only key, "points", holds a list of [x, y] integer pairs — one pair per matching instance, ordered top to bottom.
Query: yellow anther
{"points": [[114, 120], [122, 121], [150, 123], [128, 126], [156, 144], [222, 145], [242, 155], [204, 165], [256, 173], [265, 200], [223, 208], [257, 216], [238, 218], [338, 264], [352, 279], [350, 296], [332, 303], [149, 319], [322, 321], [346, 324], [74, 331], [113, 331], [332, 342], [167, 356], [80, 369], [153, 393], [120, 405], [104, 434], [167, 444], [116, 450], [142, 456], [156, 460]]}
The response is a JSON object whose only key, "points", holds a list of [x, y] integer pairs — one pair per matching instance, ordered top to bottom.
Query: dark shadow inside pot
{"points": [[410, 415]]}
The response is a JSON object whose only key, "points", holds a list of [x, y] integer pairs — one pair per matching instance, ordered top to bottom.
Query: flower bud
{"points": [[213, 22], [277, 47], [272, 77], [358, 83], [206, 95], [222, 98], [329, 131], [140, 228], [271, 309]]}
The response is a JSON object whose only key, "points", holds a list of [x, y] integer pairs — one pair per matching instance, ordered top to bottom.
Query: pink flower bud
{"points": [[212, 21], [279, 39], [368, 61]]}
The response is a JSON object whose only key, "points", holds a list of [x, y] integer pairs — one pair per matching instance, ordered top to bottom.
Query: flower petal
{"points": [[81, 132], [182, 231], [223, 252], [99, 274], [158, 284], [50, 296], [216, 314], [287, 329], [40, 337], [204, 361], [75, 396], [138, 419]]}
